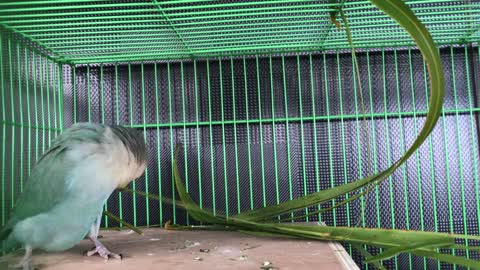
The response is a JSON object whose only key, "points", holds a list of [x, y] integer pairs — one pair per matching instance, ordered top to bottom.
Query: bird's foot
{"points": [[103, 252], [23, 264]]}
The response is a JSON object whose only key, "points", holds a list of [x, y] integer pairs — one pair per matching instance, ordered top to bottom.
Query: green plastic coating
{"points": [[98, 31], [222, 110], [12, 112], [144, 117], [4, 134]]}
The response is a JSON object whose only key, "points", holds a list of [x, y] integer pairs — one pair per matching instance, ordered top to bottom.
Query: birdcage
{"points": [[265, 99]]}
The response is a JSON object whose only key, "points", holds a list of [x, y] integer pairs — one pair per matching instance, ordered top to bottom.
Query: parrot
{"points": [[63, 199]]}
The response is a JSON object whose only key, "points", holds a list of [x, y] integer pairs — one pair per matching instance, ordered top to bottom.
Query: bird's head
{"points": [[134, 143]]}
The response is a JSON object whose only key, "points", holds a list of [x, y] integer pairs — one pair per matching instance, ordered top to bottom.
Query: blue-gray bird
{"points": [[64, 196]]}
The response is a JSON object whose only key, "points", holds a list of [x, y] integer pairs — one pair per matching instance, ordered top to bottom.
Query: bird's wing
{"points": [[48, 183]]}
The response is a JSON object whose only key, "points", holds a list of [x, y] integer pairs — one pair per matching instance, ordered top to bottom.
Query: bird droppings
{"points": [[154, 239], [189, 243], [185, 245], [204, 250], [225, 252], [240, 259], [268, 266]]}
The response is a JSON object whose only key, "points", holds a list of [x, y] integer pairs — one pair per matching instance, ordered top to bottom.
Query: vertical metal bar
{"points": [[182, 79], [48, 88], [27, 90], [74, 90], [370, 90], [54, 91], [60, 95], [102, 95], [42, 98], [89, 98], [117, 102], [130, 102], [12, 104], [20, 104], [35, 105], [102, 108], [117, 109], [222, 109], [170, 113], [144, 116], [197, 123], [342, 123], [261, 131], [287, 131], [357, 131], [472, 131], [4, 132], [302, 132], [329, 134], [274, 135], [315, 137], [373, 139], [387, 143], [402, 143], [402, 146], [249, 150], [359, 151], [459, 151], [417, 156], [431, 159], [159, 163], [212, 165], [447, 170], [237, 177], [477, 182]]}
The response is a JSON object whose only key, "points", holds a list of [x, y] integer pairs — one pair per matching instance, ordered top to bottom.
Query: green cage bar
{"points": [[264, 96]]}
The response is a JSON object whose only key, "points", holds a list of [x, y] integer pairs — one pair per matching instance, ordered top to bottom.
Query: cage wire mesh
{"points": [[264, 97]]}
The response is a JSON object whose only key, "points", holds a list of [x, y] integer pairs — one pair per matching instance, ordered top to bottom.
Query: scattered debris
{"points": [[155, 239], [189, 243], [250, 247], [205, 250], [149, 254], [241, 258], [198, 259], [268, 266]]}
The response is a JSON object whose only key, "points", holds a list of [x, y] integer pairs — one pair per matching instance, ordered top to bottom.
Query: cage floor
{"points": [[167, 249]]}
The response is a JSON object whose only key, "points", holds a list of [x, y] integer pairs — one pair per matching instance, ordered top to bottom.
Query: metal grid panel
{"points": [[89, 31], [31, 103], [261, 130]]}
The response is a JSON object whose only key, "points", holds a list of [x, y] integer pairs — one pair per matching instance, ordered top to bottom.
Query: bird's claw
{"points": [[104, 253]]}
